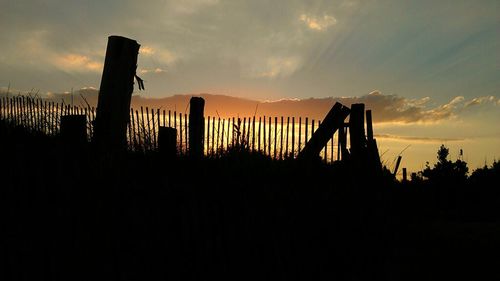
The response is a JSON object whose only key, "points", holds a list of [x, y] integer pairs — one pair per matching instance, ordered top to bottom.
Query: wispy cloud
{"points": [[189, 7], [318, 23], [146, 51], [158, 55], [77, 62], [277, 67], [156, 70], [482, 100], [416, 138]]}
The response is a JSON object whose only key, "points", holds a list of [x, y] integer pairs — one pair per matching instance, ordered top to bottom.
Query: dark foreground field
{"points": [[70, 214]]}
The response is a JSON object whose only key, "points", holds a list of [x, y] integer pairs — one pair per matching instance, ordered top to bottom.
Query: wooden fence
{"points": [[276, 136]]}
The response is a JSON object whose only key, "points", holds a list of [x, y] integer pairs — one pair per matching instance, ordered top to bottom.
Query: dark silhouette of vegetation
{"points": [[445, 171], [485, 175]]}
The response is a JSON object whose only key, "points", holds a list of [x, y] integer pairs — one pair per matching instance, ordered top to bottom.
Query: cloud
{"points": [[189, 7], [318, 23], [36, 50], [146, 51], [161, 54], [156, 58], [77, 62], [276, 67], [156, 71], [482, 100], [385, 108], [398, 109], [416, 139]]}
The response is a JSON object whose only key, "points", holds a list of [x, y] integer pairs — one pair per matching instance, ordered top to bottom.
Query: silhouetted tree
{"points": [[446, 171]]}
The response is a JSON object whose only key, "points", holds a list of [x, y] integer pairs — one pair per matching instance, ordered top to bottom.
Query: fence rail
{"points": [[276, 136]]}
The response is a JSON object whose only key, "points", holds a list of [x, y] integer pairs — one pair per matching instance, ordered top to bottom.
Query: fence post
{"points": [[115, 93], [132, 122], [196, 126], [369, 126], [153, 128], [138, 129], [228, 130], [232, 130], [357, 131], [248, 132], [180, 133], [186, 133], [258, 134], [264, 134], [287, 134], [300, 134], [208, 135], [213, 135], [275, 135], [222, 136], [293, 137], [269, 138], [150, 139], [281, 139], [167, 142], [371, 145], [217, 148]]}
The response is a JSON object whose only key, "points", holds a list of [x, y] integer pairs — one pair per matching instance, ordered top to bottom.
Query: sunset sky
{"points": [[429, 69]]}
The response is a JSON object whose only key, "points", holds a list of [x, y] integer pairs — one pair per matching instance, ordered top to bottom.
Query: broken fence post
{"points": [[333, 121]]}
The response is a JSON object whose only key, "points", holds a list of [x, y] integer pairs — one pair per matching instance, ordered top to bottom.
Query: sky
{"points": [[437, 60]]}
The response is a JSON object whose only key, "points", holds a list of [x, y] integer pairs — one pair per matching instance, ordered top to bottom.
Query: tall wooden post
{"points": [[115, 93], [196, 126], [369, 126], [357, 129], [371, 145]]}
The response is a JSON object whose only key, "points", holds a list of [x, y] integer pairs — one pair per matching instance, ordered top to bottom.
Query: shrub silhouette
{"points": [[446, 171], [486, 176]]}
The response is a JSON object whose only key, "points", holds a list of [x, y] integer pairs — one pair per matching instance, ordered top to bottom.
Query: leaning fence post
{"points": [[117, 85], [333, 121], [397, 166]]}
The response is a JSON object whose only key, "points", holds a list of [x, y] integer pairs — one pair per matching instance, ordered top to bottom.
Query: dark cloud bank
{"points": [[386, 108]]}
